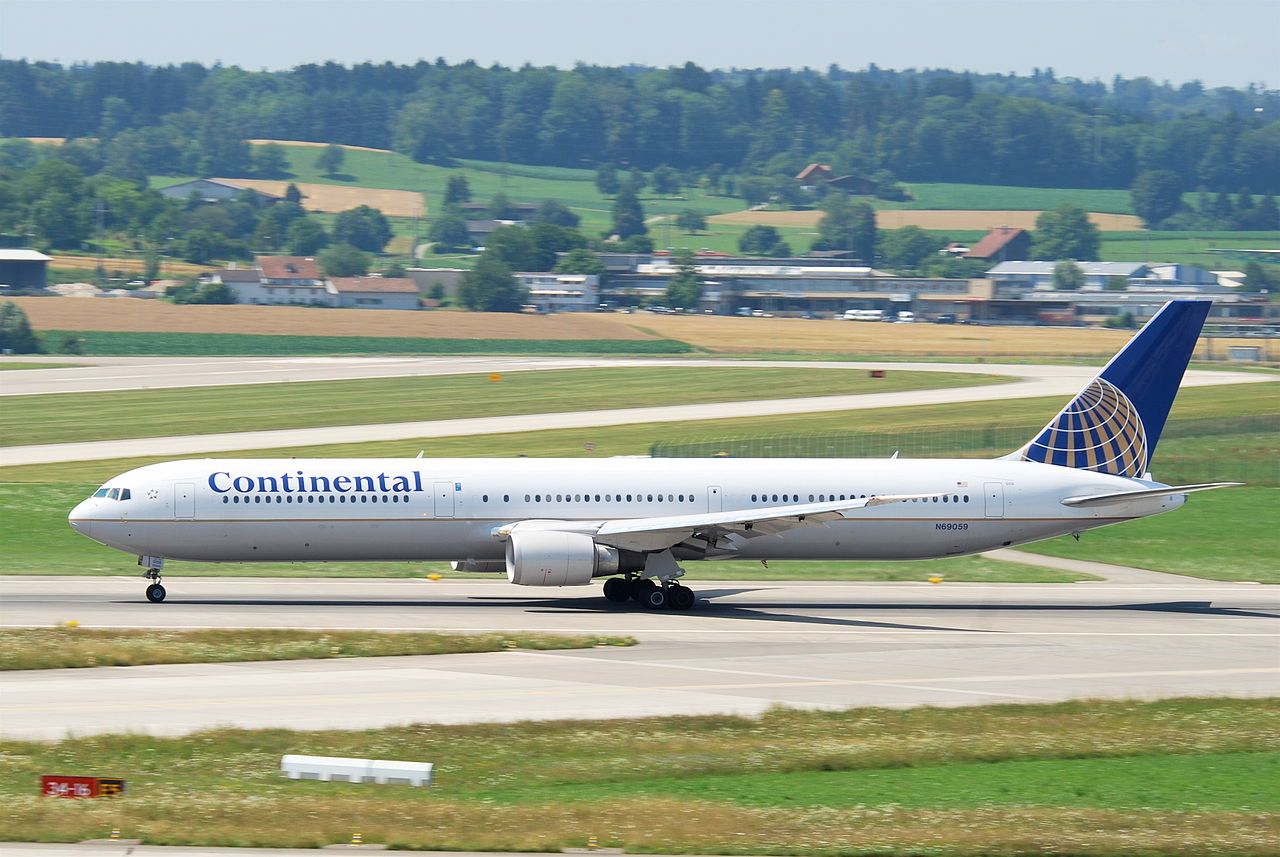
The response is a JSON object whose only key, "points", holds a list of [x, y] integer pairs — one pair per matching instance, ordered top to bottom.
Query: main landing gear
{"points": [[153, 564], [650, 594]]}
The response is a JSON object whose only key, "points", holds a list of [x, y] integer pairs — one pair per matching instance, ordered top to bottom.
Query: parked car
{"points": [[906, 317], [945, 318]]}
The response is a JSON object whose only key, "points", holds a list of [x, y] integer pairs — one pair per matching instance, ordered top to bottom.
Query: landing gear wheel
{"points": [[617, 589], [640, 589], [155, 593], [680, 597], [654, 599]]}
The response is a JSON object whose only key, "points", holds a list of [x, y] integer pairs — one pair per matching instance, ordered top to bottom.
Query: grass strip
{"points": [[140, 343], [254, 407], [69, 647], [1168, 777]]}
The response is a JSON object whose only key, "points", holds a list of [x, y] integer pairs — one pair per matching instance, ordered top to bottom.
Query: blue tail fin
{"points": [[1114, 423]]}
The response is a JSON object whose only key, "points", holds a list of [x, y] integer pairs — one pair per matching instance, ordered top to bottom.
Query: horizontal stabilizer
{"points": [[1125, 496]]}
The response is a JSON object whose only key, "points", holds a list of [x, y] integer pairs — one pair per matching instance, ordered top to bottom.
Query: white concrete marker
{"points": [[381, 771]]}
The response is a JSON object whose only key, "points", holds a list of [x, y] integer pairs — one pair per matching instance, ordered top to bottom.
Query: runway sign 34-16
{"points": [[80, 787]]}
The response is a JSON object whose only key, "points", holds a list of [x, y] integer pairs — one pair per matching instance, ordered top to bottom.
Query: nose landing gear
{"points": [[153, 564]]}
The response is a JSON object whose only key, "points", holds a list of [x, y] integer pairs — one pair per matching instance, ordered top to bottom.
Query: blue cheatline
{"points": [[1114, 423]]}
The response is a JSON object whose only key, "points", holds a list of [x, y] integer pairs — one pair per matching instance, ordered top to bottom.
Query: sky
{"points": [[1219, 42]]}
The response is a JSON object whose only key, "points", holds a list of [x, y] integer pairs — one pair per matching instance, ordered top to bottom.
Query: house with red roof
{"points": [[1002, 244]]}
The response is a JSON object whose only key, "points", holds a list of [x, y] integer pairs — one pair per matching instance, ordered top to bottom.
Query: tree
{"points": [[330, 159], [270, 161], [607, 179], [666, 180], [457, 189], [755, 190], [292, 194], [1156, 196], [500, 207], [556, 213], [1267, 214], [628, 216], [691, 221], [847, 225], [362, 227], [450, 232], [1065, 233], [305, 237], [550, 240], [760, 241], [637, 244], [202, 246], [513, 247], [908, 247], [343, 260], [580, 261], [1067, 276], [1256, 278], [1117, 284], [490, 287], [685, 288], [15, 330]]}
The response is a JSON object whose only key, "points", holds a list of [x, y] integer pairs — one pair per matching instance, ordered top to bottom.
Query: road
{"points": [[1032, 381], [747, 647]]}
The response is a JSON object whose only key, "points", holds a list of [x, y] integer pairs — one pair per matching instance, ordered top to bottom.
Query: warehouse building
{"points": [[23, 270]]}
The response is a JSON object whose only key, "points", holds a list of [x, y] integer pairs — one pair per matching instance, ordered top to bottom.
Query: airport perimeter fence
{"points": [[1227, 449]]}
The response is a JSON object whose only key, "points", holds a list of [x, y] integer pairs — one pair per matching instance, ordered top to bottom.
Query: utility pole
{"points": [[100, 212]]}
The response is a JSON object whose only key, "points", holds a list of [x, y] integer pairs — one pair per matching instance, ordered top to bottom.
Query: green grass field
{"points": [[576, 188], [1189, 248], [141, 344], [7, 365], [208, 410], [34, 500], [1230, 534], [40, 542], [75, 648], [1187, 776]]}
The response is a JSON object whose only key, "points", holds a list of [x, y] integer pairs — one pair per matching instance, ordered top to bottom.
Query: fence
{"points": [[1256, 460]]}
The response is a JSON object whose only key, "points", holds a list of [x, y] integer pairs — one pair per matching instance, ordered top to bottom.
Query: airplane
{"points": [[633, 521]]}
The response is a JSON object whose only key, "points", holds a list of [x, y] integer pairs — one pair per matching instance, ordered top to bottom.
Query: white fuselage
{"points": [[323, 510]]}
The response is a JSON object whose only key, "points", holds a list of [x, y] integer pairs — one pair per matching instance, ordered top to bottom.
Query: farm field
{"points": [[333, 198], [959, 219], [1191, 248], [135, 265], [160, 317], [608, 332], [117, 343], [208, 410], [1235, 523], [68, 647], [1174, 777]]}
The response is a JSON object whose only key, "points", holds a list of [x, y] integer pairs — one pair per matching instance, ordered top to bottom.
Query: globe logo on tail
{"points": [[1100, 430]]}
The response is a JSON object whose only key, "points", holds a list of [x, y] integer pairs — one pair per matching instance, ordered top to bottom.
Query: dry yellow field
{"points": [[311, 144], [333, 198], [894, 219], [113, 263], [137, 315], [753, 335]]}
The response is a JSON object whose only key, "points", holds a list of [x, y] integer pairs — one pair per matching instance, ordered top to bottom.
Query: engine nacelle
{"points": [[555, 558]]}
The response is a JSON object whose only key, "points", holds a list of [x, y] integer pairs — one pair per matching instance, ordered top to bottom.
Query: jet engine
{"points": [[554, 558]]}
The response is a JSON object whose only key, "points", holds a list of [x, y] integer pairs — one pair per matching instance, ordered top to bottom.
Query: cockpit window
{"points": [[101, 492], [113, 494], [125, 494]]}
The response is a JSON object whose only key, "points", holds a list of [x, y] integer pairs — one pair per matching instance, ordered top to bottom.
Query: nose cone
{"points": [[79, 519]]}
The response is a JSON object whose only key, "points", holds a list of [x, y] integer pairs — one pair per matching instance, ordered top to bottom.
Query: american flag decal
{"points": [[1100, 430]]}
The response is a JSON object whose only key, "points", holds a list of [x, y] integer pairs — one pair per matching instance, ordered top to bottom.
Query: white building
{"points": [[551, 292]]}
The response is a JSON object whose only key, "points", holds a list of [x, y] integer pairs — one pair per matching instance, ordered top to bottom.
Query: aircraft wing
{"points": [[1145, 493], [658, 533]]}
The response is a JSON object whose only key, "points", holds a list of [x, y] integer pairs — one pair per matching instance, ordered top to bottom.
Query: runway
{"points": [[1032, 381], [747, 647]]}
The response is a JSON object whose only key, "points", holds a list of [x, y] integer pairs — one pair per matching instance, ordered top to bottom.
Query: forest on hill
{"points": [[912, 125]]}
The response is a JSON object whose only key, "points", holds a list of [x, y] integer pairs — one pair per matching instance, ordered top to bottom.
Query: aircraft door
{"points": [[444, 492], [994, 499], [184, 500], [715, 500]]}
